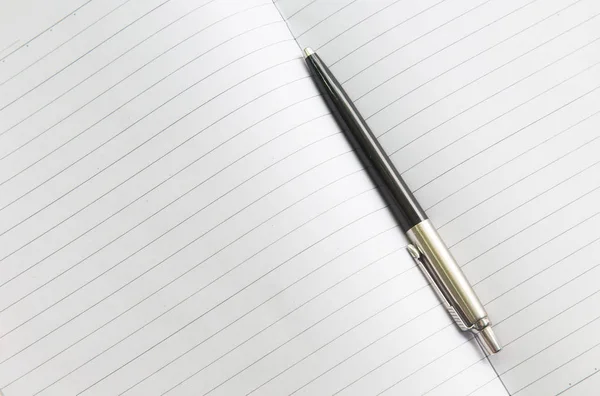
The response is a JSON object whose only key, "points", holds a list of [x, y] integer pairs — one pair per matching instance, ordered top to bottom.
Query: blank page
{"points": [[490, 110], [179, 214]]}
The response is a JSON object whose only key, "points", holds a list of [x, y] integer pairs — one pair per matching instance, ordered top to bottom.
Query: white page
{"points": [[490, 111], [180, 214]]}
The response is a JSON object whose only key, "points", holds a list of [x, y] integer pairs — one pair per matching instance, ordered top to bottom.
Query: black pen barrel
{"points": [[394, 190]]}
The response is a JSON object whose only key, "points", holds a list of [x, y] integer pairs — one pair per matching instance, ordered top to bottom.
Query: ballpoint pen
{"points": [[426, 247]]}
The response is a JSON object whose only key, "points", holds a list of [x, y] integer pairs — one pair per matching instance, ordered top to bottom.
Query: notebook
{"points": [[181, 215]]}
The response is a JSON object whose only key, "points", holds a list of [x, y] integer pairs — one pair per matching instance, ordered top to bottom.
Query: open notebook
{"points": [[180, 215]]}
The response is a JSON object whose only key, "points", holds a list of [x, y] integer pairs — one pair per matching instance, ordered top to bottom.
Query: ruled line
{"points": [[302, 8], [326, 18], [358, 23], [45, 30], [386, 31], [470, 34], [418, 38], [63, 43], [8, 47], [81, 57], [110, 63], [104, 67], [482, 77], [138, 94], [562, 107], [504, 114], [584, 124], [146, 141], [524, 153], [173, 175], [525, 178], [165, 180], [145, 194], [155, 213], [523, 229], [562, 233], [160, 236], [189, 270], [237, 292], [545, 295], [270, 299], [141, 301], [381, 311], [248, 312], [549, 320], [469, 340], [329, 342], [394, 357], [43, 361], [557, 368], [495, 370], [456, 375], [578, 382], [486, 383]]}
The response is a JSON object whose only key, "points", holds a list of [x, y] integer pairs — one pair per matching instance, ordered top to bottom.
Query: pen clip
{"points": [[418, 257]]}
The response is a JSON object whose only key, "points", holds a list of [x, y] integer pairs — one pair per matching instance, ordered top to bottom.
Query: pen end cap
{"points": [[308, 52], [488, 341]]}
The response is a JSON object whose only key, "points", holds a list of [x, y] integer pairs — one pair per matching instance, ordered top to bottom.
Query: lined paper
{"points": [[14, 34], [490, 109], [179, 214]]}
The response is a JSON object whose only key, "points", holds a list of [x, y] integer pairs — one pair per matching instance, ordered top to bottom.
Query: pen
{"points": [[426, 247]]}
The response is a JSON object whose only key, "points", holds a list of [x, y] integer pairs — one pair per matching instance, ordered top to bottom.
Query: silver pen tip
{"points": [[308, 52], [488, 340]]}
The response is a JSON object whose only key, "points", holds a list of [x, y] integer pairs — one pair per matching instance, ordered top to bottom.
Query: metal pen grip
{"points": [[446, 277]]}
